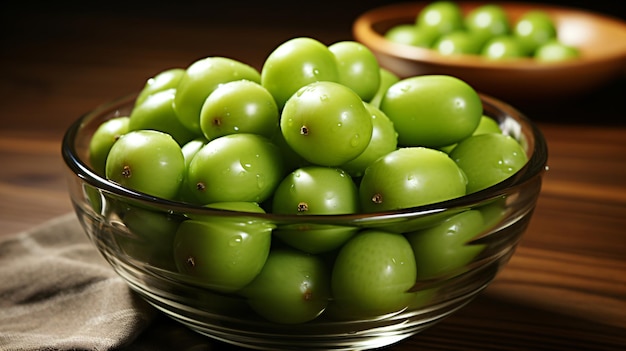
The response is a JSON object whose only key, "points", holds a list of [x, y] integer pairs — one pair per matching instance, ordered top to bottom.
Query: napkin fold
{"points": [[58, 293]]}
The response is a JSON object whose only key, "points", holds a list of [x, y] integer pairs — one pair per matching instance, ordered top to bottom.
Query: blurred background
{"points": [[95, 51]]}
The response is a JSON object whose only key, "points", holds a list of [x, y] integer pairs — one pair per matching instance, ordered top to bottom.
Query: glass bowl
{"points": [[134, 232]]}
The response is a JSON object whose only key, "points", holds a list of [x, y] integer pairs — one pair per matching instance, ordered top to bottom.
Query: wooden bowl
{"points": [[600, 39]]}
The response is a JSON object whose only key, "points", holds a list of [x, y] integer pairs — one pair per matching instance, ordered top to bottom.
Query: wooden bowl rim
{"points": [[367, 30]]}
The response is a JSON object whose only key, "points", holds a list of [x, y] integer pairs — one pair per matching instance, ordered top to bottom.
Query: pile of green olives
{"points": [[486, 30], [319, 130]]}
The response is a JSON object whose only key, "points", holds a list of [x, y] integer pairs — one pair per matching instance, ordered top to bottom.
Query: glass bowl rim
{"points": [[535, 166]]}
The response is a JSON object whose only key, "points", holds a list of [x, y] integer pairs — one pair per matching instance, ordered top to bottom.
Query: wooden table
{"points": [[564, 289]]}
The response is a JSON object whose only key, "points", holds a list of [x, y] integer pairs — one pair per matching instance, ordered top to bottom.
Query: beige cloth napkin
{"points": [[58, 293]]}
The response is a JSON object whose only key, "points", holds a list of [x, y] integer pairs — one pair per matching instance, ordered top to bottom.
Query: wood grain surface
{"points": [[565, 287]]}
